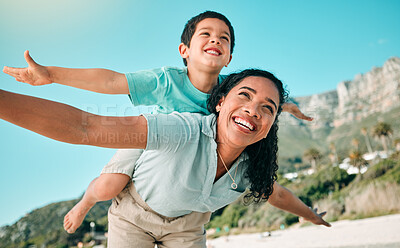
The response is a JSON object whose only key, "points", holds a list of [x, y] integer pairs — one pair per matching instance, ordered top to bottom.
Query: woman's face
{"points": [[247, 113]]}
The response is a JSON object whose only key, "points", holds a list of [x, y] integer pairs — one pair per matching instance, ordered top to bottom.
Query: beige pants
{"points": [[132, 223]]}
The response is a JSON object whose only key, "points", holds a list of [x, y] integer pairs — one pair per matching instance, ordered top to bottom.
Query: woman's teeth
{"points": [[244, 123]]}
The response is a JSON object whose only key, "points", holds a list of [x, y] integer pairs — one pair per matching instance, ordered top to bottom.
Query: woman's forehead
{"points": [[259, 85]]}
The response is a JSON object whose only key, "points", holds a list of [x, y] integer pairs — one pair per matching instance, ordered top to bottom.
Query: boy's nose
{"points": [[215, 40]]}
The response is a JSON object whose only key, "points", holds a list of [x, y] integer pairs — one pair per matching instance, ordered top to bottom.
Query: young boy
{"points": [[207, 45]]}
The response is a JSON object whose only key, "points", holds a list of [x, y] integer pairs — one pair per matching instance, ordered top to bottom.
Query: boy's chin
{"points": [[214, 66], [210, 67]]}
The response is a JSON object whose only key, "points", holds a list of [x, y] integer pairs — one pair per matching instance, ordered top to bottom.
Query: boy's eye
{"points": [[205, 34], [225, 38]]}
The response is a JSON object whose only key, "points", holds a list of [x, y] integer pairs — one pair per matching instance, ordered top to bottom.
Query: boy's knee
{"points": [[107, 186]]}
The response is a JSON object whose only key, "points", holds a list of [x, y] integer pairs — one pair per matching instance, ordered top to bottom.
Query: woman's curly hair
{"points": [[261, 170]]}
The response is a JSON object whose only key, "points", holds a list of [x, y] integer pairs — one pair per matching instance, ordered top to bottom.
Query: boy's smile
{"points": [[209, 48], [213, 51]]}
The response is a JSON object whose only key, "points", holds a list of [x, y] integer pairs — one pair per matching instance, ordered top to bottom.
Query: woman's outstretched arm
{"points": [[68, 124], [283, 199]]}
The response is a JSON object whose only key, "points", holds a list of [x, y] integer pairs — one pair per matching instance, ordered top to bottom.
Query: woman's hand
{"points": [[34, 74], [295, 111], [283, 199], [317, 218]]}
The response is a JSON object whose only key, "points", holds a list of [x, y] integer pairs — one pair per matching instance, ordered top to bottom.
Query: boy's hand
{"points": [[34, 74], [295, 111], [317, 218]]}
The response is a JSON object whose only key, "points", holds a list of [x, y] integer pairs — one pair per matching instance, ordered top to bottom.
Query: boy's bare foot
{"points": [[103, 188], [74, 218]]}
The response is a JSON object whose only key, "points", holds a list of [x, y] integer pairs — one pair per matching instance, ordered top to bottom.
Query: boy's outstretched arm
{"points": [[97, 80], [294, 110], [68, 124], [283, 199]]}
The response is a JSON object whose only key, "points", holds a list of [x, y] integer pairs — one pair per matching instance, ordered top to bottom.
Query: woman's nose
{"points": [[252, 110]]}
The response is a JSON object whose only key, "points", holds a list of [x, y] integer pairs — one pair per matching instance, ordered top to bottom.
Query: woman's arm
{"points": [[68, 124], [283, 199]]}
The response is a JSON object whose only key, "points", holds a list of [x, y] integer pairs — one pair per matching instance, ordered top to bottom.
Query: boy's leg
{"points": [[115, 175], [103, 188]]}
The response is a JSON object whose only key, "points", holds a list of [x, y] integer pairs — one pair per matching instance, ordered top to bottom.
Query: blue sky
{"points": [[310, 45]]}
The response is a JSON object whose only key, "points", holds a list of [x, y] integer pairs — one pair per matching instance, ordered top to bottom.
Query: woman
{"points": [[192, 164]]}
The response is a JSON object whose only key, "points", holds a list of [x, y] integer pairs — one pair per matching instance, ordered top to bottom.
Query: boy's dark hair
{"points": [[191, 25], [262, 166]]}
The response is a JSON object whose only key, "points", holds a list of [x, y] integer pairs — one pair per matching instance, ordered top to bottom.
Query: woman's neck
{"points": [[228, 155], [225, 160]]}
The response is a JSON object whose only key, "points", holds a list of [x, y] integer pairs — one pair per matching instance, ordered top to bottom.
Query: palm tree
{"points": [[364, 131], [382, 131], [355, 142], [396, 143], [312, 155], [334, 158], [357, 160]]}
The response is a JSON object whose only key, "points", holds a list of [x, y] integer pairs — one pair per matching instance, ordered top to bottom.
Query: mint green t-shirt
{"points": [[169, 89]]}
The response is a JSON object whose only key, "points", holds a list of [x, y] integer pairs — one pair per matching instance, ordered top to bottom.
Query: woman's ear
{"points": [[219, 105]]}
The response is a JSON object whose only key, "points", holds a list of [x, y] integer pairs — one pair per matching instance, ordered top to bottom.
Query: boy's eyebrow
{"points": [[207, 28], [254, 91]]}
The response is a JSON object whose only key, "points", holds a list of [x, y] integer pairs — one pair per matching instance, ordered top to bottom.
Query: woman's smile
{"points": [[247, 112], [242, 123]]}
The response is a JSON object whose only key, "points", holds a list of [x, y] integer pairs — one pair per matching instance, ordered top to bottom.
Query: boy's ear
{"points": [[183, 51], [230, 59]]}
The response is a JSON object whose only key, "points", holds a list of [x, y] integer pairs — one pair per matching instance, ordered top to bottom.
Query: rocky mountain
{"points": [[377, 91], [373, 95]]}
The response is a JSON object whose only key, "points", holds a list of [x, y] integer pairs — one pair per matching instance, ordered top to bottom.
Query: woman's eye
{"points": [[245, 94], [269, 109]]}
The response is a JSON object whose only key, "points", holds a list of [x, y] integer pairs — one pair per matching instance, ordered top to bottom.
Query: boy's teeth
{"points": [[212, 52], [244, 123]]}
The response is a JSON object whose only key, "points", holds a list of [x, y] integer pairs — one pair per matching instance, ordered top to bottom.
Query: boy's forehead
{"points": [[212, 23]]}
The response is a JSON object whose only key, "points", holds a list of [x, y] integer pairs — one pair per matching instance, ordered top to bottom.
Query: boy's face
{"points": [[209, 47]]}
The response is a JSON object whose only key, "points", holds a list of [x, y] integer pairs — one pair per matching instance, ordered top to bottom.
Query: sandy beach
{"points": [[374, 232]]}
